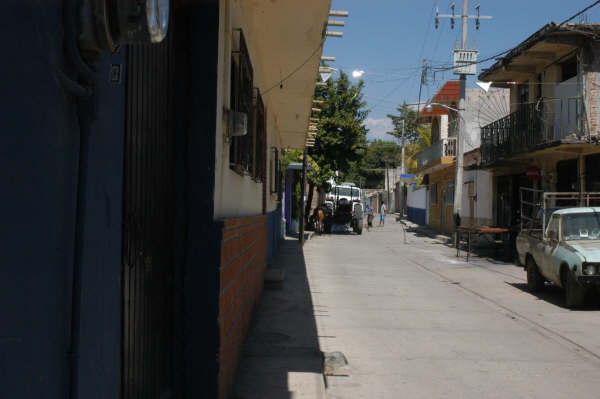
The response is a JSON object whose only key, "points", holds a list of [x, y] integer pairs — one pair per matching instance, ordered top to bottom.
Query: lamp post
{"points": [[458, 179]]}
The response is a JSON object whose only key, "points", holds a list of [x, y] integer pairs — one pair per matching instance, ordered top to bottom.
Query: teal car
{"points": [[566, 254]]}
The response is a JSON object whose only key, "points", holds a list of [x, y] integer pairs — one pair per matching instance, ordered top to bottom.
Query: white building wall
{"points": [[443, 127], [482, 186], [236, 195], [416, 197]]}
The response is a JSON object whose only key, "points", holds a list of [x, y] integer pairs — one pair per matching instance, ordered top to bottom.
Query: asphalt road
{"points": [[414, 321]]}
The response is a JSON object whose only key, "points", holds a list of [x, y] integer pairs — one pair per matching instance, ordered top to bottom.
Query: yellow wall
{"points": [[435, 211]]}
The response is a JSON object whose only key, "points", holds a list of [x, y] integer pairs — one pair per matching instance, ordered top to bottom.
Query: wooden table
{"points": [[470, 230]]}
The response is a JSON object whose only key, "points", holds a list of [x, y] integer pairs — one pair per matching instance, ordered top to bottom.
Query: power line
{"points": [[579, 13], [557, 27], [280, 83], [390, 93]]}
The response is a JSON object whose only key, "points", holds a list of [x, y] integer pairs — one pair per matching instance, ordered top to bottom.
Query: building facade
{"points": [[548, 141], [437, 163], [137, 221]]}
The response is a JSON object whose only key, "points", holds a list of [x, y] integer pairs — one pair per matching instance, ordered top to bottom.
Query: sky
{"points": [[386, 41]]}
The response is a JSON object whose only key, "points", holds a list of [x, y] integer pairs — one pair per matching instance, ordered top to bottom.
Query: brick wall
{"points": [[592, 92], [243, 258]]}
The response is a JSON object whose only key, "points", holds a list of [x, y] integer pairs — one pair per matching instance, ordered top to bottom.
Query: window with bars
{"points": [[260, 140], [241, 148], [247, 154]]}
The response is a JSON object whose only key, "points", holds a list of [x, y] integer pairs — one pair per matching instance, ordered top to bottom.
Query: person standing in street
{"points": [[382, 214], [369, 217]]}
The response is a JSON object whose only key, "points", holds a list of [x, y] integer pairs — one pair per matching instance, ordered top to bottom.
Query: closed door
{"points": [[471, 203], [148, 209], [443, 213]]}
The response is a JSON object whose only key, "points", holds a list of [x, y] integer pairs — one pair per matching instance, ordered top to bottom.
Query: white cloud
{"points": [[357, 73], [378, 128]]}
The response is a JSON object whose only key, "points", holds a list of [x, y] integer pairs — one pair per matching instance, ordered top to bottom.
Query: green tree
{"points": [[405, 123], [341, 133], [417, 136], [412, 149], [371, 169]]}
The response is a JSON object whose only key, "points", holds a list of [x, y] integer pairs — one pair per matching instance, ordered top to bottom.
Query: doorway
{"points": [[148, 224]]}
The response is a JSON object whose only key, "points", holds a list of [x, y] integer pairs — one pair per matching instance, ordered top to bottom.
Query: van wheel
{"points": [[535, 280], [574, 293]]}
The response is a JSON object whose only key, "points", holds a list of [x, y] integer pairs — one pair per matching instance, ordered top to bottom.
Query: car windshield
{"points": [[345, 191], [581, 226]]}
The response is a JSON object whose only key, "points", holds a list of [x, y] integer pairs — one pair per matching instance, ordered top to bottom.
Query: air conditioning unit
{"points": [[107, 24], [236, 123]]}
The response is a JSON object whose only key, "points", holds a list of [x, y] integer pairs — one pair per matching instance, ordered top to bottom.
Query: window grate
{"points": [[242, 75], [260, 145]]}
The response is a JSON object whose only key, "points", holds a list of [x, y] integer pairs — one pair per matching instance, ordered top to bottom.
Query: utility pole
{"points": [[464, 67], [402, 168], [402, 171], [387, 179], [458, 180]]}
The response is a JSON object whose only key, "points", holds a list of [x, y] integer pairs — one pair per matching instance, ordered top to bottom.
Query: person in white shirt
{"points": [[382, 214]]}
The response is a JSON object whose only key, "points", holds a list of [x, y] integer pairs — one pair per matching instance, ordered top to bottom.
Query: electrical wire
{"points": [[502, 53], [288, 76]]}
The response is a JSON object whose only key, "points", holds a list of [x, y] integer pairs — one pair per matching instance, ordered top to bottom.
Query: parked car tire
{"points": [[535, 280], [574, 293]]}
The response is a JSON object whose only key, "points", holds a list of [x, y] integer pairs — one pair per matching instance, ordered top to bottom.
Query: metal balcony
{"points": [[532, 127], [433, 155]]}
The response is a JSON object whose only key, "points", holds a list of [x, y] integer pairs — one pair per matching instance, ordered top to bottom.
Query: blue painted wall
{"points": [[40, 158], [287, 199], [416, 215], [273, 234], [43, 236], [100, 239]]}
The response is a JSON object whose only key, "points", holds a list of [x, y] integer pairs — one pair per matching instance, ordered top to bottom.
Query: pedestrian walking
{"points": [[382, 214], [369, 217]]}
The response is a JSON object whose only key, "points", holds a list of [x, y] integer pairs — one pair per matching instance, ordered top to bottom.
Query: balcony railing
{"points": [[531, 127], [443, 148]]}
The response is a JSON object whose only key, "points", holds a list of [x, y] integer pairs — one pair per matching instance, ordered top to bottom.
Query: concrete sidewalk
{"points": [[281, 357]]}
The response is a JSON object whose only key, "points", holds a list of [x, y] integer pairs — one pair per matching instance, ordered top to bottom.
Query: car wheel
{"points": [[535, 280], [574, 293]]}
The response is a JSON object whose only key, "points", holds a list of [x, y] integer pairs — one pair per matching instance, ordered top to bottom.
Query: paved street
{"points": [[414, 321]]}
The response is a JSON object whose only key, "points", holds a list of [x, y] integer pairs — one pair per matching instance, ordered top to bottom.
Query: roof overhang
{"points": [[288, 41], [551, 44], [448, 94]]}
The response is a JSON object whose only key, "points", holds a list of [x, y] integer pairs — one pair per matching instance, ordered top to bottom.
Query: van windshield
{"points": [[345, 191], [581, 226]]}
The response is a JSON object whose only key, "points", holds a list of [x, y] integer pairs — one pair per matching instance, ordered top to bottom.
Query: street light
{"points": [[429, 107], [458, 179]]}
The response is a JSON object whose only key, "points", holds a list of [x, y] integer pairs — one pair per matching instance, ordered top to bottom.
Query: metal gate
{"points": [[148, 211]]}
